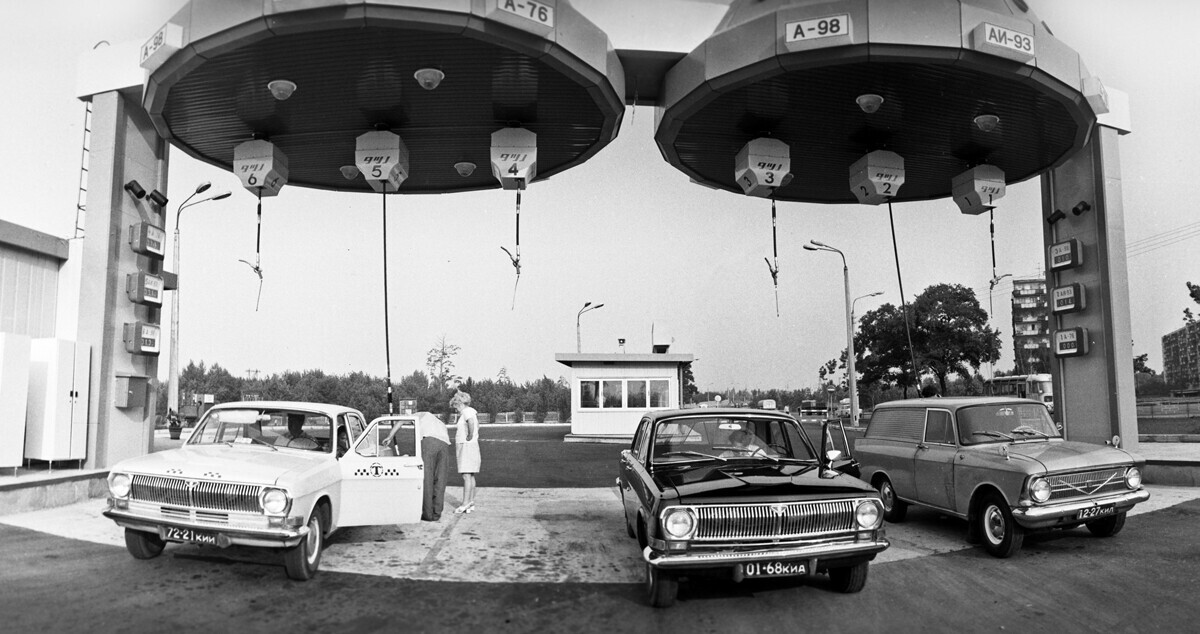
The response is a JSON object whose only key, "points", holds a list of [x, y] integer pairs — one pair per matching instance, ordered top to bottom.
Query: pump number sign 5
{"points": [[540, 12]]}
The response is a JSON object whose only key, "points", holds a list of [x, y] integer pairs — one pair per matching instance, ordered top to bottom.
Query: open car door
{"points": [[834, 431], [382, 483]]}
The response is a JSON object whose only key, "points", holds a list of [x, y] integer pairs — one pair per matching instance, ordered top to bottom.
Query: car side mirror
{"points": [[833, 454]]}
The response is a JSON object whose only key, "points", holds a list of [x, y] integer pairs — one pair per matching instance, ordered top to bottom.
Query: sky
{"points": [[624, 229]]}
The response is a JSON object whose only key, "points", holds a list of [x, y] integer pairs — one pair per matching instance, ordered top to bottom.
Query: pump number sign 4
{"points": [[540, 12]]}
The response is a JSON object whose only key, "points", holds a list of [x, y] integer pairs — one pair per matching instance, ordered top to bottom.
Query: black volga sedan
{"points": [[744, 493]]}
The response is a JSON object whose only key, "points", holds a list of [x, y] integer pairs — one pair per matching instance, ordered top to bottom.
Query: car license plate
{"points": [[1096, 511], [189, 535], [772, 569]]}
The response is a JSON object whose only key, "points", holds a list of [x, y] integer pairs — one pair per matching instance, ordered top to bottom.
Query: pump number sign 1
{"points": [[540, 12], [1065, 255]]}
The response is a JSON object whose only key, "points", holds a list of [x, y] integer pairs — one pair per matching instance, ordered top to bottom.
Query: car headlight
{"points": [[1133, 477], [118, 485], [1039, 490], [275, 501], [868, 514], [679, 523]]}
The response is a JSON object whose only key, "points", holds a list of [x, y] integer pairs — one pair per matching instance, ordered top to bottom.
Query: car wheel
{"points": [[894, 509], [625, 515], [1108, 526], [1002, 537], [143, 545], [302, 560], [849, 579], [661, 587]]}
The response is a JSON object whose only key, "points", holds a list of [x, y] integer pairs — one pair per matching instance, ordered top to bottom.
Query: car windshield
{"points": [[1004, 422], [281, 428], [727, 438]]}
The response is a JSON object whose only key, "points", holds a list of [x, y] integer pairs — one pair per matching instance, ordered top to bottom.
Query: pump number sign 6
{"points": [[540, 12]]}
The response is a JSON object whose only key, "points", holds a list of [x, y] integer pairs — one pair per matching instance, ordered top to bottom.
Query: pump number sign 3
{"points": [[540, 12]]}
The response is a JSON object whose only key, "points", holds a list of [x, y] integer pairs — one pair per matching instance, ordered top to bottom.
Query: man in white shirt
{"points": [[435, 454]]}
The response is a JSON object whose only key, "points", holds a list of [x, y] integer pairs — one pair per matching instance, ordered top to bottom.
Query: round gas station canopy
{"points": [[312, 76], [945, 84]]}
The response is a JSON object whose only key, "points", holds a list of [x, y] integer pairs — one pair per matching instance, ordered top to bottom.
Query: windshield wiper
{"points": [[1024, 429], [993, 434], [271, 445], [691, 453]]}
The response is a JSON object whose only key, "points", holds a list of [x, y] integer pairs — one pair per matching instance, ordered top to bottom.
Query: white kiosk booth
{"points": [[611, 391]]}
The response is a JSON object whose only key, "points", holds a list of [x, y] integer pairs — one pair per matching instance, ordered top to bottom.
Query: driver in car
{"points": [[296, 436], [744, 442]]}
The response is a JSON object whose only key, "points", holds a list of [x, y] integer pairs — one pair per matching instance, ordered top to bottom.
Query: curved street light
{"points": [[579, 338], [173, 378], [851, 379]]}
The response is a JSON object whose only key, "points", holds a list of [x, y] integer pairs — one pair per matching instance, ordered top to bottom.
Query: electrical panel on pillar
{"points": [[514, 157], [382, 158], [762, 166], [262, 167], [877, 177], [977, 189], [148, 240], [144, 288], [142, 338], [1071, 342]]}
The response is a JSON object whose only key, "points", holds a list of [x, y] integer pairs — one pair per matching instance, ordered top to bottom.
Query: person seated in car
{"points": [[296, 437], [744, 443]]}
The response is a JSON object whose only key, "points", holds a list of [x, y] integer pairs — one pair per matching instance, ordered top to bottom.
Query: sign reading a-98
{"points": [[816, 28]]}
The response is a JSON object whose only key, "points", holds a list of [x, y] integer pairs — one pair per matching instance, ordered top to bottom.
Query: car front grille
{"points": [[1087, 483], [196, 494], [724, 522]]}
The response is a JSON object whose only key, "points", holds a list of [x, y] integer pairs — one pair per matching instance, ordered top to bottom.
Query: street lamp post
{"points": [[853, 323], [578, 337], [173, 379], [851, 379]]}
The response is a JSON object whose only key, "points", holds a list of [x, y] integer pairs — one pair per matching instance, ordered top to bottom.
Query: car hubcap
{"points": [[885, 493], [993, 525], [313, 539]]}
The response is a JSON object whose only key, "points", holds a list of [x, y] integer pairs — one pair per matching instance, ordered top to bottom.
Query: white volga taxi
{"points": [[272, 474]]}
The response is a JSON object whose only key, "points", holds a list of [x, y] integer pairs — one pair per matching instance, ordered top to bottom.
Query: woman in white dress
{"points": [[466, 448]]}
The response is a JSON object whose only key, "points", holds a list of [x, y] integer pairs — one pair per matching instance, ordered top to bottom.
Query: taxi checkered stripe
{"points": [[380, 474]]}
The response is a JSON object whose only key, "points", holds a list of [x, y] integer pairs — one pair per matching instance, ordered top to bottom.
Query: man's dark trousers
{"points": [[435, 455]]}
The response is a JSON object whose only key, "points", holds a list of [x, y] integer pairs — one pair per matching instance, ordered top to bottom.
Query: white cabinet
{"points": [[14, 390], [56, 421]]}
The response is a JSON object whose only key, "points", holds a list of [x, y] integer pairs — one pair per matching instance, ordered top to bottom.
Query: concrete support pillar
{"points": [[124, 147], [1093, 393]]}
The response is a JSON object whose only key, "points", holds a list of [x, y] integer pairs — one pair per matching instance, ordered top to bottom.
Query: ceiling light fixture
{"points": [[429, 78], [281, 89], [869, 102], [987, 122]]}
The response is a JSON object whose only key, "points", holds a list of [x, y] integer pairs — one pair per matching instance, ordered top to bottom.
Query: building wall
{"points": [[28, 290], [1031, 326], [1181, 356]]}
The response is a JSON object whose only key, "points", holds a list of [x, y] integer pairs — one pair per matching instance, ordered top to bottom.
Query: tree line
{"points": [[368, 394]]}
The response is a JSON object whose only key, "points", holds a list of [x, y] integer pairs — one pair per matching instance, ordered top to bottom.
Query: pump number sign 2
{"points": [[540, 12]]}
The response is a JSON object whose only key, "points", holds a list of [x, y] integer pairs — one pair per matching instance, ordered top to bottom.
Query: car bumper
{"points": [[1050, 515], [275, 537], [818, 554]]}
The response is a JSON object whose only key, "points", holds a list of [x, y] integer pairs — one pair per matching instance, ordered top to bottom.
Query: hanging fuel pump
{"points": [[382, 158], [514, 164], [762, 166], [263, 169], [977, 189]]}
